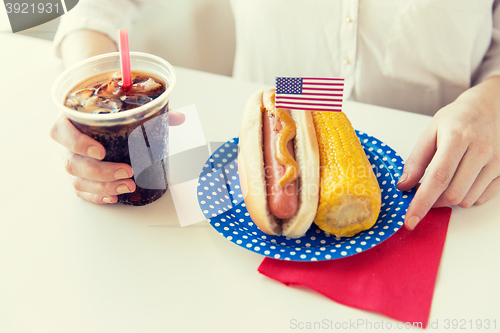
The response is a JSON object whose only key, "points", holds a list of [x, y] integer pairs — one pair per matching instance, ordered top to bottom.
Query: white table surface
{"points": [[70, 266]]}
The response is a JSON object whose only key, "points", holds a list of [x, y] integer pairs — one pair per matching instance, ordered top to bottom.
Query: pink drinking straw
{"points": [[125, 58]]}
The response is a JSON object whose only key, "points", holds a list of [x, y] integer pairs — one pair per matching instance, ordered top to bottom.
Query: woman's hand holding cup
{"points": [[94, 180]]}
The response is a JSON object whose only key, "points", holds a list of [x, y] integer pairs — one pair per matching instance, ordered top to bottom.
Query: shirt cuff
{"points": [[104, 16], [491, 62]]}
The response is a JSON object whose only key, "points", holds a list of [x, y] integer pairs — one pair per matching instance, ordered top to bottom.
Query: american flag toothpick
{"points": [[309, 93]]}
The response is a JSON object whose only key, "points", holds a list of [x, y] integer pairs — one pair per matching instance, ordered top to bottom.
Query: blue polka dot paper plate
{"points": [[221, 201]]}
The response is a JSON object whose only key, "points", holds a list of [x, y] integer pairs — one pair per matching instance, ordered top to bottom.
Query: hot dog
{"points": [[297, 167], [282, 200], [288, 210]]}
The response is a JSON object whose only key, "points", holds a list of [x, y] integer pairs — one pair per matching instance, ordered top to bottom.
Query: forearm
{"points": [[83, 44], [485, 95]]}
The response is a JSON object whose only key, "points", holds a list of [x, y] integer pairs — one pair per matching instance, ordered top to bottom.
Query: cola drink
{"points": [[105, 94], [131, 124]]}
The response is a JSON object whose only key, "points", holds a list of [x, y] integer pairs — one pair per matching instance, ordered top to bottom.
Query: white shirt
{"points": [[414, 55]]}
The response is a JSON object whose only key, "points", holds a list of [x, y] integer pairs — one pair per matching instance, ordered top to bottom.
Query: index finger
{"points": [[65, 133], [439, 175]]}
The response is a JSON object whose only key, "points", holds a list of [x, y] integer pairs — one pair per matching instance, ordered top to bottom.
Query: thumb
{"points": [[176, 118], [419, 159]]}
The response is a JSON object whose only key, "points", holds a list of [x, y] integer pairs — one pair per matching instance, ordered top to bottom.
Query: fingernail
{"points": [[94, 152], [121, 174], [403, 177], [123, 189], [107, 200], [412, 222]]}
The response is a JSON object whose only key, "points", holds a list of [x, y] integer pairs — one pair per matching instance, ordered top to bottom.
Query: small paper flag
{"points": [[309, 93]]}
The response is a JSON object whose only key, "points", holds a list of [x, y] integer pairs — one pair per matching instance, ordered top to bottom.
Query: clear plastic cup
{"points": [[139, 136]]}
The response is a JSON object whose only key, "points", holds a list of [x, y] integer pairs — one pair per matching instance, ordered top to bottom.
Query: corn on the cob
{"points": [[350, 196]]}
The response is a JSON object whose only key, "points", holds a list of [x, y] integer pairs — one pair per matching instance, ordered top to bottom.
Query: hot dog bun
{"points": [[252, 174]]}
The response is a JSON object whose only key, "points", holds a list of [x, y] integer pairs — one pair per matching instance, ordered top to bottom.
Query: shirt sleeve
{"points": [[105, 16], [491, 62]]}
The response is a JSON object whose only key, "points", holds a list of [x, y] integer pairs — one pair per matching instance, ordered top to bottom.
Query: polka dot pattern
{"points": [[221, 201]]}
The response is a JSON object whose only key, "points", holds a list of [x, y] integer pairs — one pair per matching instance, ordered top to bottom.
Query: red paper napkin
{"points": [[395, 278]]}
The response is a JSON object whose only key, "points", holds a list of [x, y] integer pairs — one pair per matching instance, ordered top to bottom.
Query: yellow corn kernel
{"points": [[350, 195]]}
